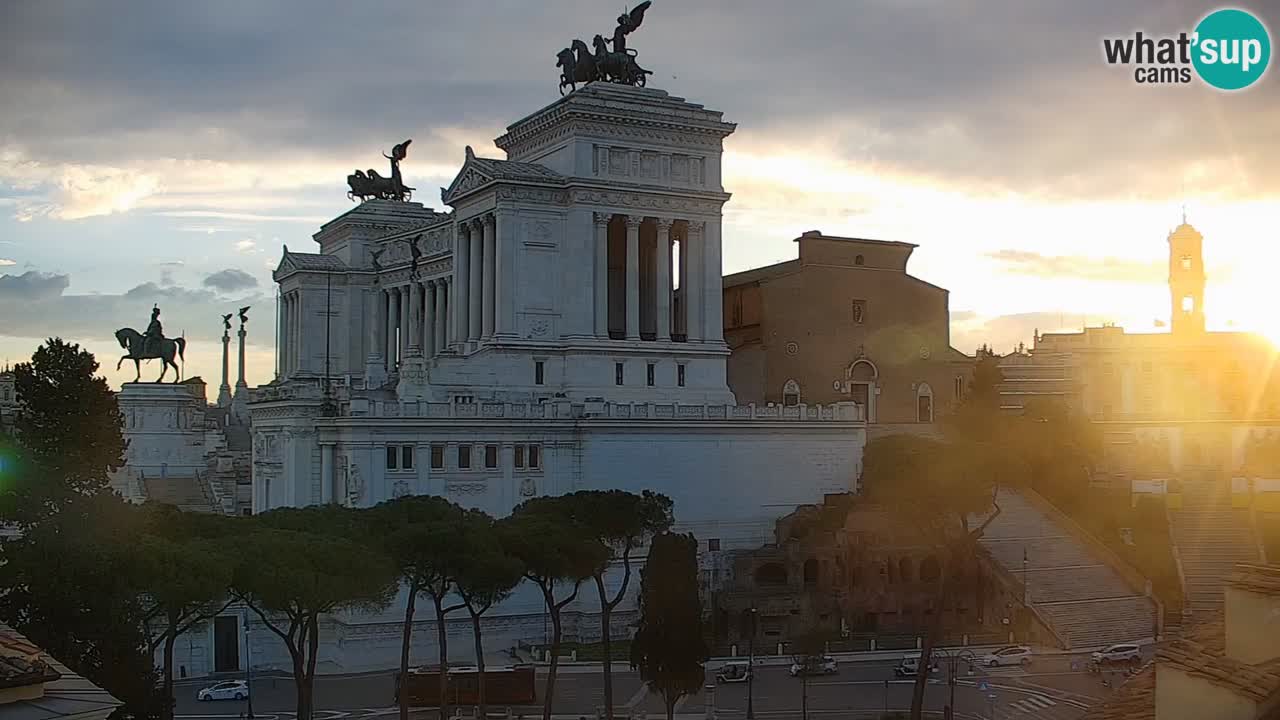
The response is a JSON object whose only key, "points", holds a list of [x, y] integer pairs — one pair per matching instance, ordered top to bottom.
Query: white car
{"points": [[1119, 653], [1012, 655], [826, 666], [910, 666], [229, 690]]}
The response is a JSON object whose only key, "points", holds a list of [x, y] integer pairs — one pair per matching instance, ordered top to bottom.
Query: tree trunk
{"points": [[606, 611], [170, 637], [406, 639], [442, 639], [926, 649], [306, 668], [550, 691], [804, 694], [303, 696], [671, 706], [481, 707]]}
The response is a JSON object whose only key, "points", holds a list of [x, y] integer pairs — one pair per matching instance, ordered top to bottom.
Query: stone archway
{"points": [[863, 379]]}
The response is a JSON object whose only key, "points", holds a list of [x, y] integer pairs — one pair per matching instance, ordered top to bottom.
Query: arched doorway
{"points": [[863, 375], [790, 393], [924, 403]]}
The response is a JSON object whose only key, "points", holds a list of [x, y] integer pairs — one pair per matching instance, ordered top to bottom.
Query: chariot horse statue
{"points": [[578, 64], [152, 345]]}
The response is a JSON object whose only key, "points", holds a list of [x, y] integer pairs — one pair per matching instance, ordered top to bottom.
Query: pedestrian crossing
{"points": [[1032, 704]]}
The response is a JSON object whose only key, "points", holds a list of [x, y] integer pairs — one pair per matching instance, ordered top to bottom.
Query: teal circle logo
{"points": [[1231, 49]]}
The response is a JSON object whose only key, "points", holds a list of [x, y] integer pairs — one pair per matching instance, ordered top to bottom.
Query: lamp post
{"points": [[751, 668], [248, 669]]}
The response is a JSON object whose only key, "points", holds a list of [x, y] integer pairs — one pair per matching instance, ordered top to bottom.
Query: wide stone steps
{"points": [[188, 493], [1211, 537], [1040, 553], [1103, 622]]}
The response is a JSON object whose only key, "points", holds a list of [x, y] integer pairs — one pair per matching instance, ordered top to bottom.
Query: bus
{"points": [[503, 685]]}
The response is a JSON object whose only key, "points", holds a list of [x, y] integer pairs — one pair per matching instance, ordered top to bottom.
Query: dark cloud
{"points": [[998, 94], [1025, 262], [231, 280], [32, 286]]}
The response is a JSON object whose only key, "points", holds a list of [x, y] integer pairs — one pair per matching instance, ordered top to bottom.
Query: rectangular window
{"points": [[1186, 262], [859, 311], [538, 373], [617, 373], [649, 375], [680, 375], [959, 387], [393, 454], [491, 456], [406, 457], [437, 457], [464, 457], [519, 457], [535, 457], [713, 544]]}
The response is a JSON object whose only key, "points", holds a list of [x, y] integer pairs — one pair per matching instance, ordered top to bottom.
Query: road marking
{"points": [[638, 697]]}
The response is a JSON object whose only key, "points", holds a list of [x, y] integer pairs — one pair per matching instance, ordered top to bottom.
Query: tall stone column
{"points": [[504, 276], [633, 276], [601, 278], [461, 282], [475, 283], [712, 287], [693, 292], [662, 293], [488, 297], [406, 301], [393, 312], [415, 319], [429, 319], [444, 321], [295, 328], [280, 335], [286, 335], [375, 369], [240, 383], [224, 390], [327, 489]]}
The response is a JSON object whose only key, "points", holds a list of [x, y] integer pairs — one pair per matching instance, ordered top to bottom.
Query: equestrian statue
{"points": [[578, 64], [372, 185], [151, 345]]}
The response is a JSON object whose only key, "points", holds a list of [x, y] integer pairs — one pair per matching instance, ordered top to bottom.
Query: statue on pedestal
{"points": [[579, 65], [372, 185], [152, 345]]}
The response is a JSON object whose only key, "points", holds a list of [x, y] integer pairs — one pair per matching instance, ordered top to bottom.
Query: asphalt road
{"points": [[1053, 688]]}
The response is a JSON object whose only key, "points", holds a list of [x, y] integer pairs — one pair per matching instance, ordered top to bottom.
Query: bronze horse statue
{"points": [[134, 342]]}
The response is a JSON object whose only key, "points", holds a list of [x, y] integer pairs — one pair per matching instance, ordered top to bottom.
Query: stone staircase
{"points": [[189, 493], [1211, 537], [1083, 598]]}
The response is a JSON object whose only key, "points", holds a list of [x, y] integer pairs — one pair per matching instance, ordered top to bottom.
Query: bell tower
{"points": [[1186, 279]]}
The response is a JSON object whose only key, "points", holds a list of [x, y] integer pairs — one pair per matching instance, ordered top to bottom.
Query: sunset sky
{"points": [[164, 152]]}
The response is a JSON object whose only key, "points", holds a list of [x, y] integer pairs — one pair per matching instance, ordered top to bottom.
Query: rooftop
{"points": [[818, 235], [65, 694]]}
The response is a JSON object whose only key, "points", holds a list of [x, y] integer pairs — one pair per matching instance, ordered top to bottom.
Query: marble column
{"points": [[489, 258], [633, 276], [601, 279], [461, 281], [694, 288], [475, 289], [712, 290], [662, 293], [406, 302], [393, 312], [373, 318], [415, 319], [429, 319], [295, 321], [444, 321], [280, 335], [286, 335], [240, 383], [224, 390], [327, 494]]}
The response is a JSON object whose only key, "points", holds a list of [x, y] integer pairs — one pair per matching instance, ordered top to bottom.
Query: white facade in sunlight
{"points": [[558, 329]]}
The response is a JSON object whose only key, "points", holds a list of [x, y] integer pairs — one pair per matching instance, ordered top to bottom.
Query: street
{"points": [[1055, 687]]}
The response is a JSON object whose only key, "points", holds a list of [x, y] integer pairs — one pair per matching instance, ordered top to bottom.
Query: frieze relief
{"points": [[532, 138], [544, 196], [647, 201], [466, 488]]}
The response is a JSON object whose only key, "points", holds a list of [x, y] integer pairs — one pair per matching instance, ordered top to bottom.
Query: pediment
{"points": [[470, 177]]}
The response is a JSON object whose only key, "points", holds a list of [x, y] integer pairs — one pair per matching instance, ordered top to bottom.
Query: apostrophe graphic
{"points": [[1229, 49]]}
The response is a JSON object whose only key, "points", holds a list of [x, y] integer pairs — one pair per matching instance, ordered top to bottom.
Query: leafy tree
{"points": [[68, 422], [937, 487], [624, 522], [420, 534], [554, 551], [487, 574], [290, 578], [668, 647]]}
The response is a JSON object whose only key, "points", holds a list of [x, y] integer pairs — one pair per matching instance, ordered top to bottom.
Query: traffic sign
{"points": [[983, 686]]}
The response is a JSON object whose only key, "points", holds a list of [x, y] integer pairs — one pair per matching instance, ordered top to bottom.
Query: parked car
{"points": [[1117, 654], [1012, 655], [827, 665], [910, 666], [734, 672], [229, 690]]}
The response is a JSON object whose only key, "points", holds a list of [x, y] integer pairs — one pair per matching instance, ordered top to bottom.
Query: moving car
{"points": [[1117, 654], [1012, 655], [826, 665], [910, 666], [734, 672], [228, 690]]}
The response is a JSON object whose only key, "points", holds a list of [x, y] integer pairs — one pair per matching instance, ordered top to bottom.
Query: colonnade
{"points": [[638, 261], [290, 308], [410, 320]]}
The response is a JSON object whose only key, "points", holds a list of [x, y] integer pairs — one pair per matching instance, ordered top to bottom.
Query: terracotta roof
{"points": [[513, 170], [1264, 579], [1202, 653], [20, 662], [66, 694], [1134, 700]]}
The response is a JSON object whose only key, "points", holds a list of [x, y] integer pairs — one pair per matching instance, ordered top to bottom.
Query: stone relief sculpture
{"points": [[578, 64], [372, 185], [355, 485], [528, 488], [400, 489]]}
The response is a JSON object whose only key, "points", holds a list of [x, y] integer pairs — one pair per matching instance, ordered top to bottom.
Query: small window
{"points": [[857, 260], [1186, 262], [1188, 304], [859, 311], [538, 373], [617, 373], [680, 375], [648, 379], [959, 387], [393, 454], [490, 456], [519, 456], [406, 457], [437, 457], [464, 457], [535, 457], [713, 544]]}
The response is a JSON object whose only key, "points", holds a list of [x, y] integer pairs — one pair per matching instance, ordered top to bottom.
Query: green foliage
{"points": [[68, 424], [551, 544], [487, 572], [668, 648]]}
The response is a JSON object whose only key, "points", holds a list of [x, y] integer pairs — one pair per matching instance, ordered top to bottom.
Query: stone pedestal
{"points": [[375, 372], [413, 379]]}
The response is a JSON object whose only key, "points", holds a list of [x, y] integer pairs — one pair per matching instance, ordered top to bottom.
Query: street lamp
{"points": [[953, 659], [248, 668], [751, 668]]}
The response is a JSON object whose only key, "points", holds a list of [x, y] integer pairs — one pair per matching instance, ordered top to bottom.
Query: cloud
{"points": [[247, 246], [6, 262], [1107, 269], [230, 280], [32, 286]]}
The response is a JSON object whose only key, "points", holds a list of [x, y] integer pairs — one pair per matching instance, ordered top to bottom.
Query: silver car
{"points": [[228, 690]]}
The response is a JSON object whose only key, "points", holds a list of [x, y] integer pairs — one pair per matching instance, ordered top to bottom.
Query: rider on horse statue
{"points": [[155, 333]]}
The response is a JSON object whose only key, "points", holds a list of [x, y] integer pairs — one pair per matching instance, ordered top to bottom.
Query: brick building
{"points": [[844, 321]]}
